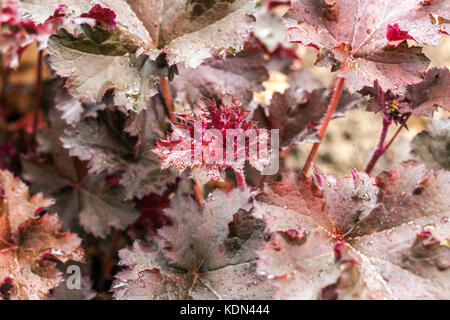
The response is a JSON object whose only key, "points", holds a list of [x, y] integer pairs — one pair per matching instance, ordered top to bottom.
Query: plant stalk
{"points": [[167, 97], [331, 108], [393, 138], [379, 151], [241, 180], [107, 263]]}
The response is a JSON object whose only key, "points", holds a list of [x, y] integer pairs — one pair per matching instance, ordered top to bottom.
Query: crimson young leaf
{"points": [[203, 142]]}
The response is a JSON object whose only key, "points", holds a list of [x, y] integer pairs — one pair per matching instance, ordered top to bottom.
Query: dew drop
{"points": [[366, 197], [429, 226], [388, 235]]}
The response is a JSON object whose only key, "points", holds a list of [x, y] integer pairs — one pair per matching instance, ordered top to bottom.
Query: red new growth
{"points": [[103, 15], [394, 33], [183, 149]]}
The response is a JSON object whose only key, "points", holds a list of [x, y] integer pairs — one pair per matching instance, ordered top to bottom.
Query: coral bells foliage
{"points": [[101, 16], [394, 33], [15, 34], [356, 38], [124, 57], [421, 99], [211, 138], [109, 148], [152, 216], [358, 237], [27, 242], [207, 253]]}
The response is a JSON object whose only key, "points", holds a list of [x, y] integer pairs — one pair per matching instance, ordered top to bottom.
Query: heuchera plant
{"points": [[212, 124], [153, 156]]}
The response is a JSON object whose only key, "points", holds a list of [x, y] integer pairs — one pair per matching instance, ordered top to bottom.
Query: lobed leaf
{"points": [[355, 38], [141, 42], [238, 75], [429, 94], [421, 99], [297, 112], [199, 142], [114, 145], [82, 199], [358, 237], [27, 239], [203, 254]]}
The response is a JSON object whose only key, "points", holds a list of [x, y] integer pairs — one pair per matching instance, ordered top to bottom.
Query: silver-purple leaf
{"points": [[352, 37], [358, 237], [207, 253]]}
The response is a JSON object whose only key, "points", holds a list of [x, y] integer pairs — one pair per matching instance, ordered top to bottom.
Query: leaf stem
{"points": [[38, 95], [167, 97], [332, 106], [393, 138], [379, 151], [241, 180], [198, 193], [107, 259]]}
